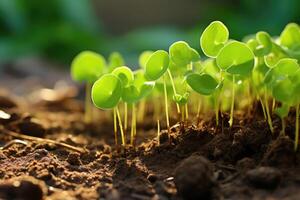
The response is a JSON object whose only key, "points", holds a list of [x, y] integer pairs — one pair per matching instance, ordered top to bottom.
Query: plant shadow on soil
{"points": [[198, 162]]}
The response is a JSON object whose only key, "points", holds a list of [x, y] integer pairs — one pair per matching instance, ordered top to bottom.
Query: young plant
{"points": [[213, 39], [182, 56], [236, 59], [86, 67], [156, 67], [284, 82], [106, 95]]}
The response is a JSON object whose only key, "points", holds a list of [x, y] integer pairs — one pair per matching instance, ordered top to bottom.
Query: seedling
{"points": [[182, 56], [236, 59], [115, 60], [86, 67], [156, 67], [106, 94]]}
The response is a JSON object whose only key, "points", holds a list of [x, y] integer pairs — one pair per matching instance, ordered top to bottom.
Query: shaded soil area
{"points": [[79, 161]]}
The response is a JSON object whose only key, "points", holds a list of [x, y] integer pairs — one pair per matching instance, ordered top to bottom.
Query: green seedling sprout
{"points": [[214, 38], [290, 40], [182, 56], [143, 58], [237, 59], [115, 60], [86, 67], [156, 67], [126, 76], [283, 80], [133, 93], [106, 94]]}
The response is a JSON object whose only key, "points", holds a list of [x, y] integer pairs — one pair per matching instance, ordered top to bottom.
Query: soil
{"points": [[74, 160]]}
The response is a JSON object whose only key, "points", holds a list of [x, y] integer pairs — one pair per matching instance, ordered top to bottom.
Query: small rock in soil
{"points": [[6, 102], [32, 128], [74, 159], [245, 164], [264, 177], [152, 178], [194, 178], [21, 190]]}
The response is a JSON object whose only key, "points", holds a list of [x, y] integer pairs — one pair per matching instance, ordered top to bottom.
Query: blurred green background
{"points": [[57, 30]]}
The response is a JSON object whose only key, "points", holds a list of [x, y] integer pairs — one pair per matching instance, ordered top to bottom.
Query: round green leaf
{"points": [[290, 37], [214, 38], [264, 44], [182, 54], [143, 58], [236, 58], [115, 60], [157, 65], [87, 66], [124, 74], [202, 84], [282, 90], [107, 91], [130, 94], [181, 99]]}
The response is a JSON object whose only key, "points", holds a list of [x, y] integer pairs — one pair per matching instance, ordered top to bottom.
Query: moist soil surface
{"points": [[74, 160]]}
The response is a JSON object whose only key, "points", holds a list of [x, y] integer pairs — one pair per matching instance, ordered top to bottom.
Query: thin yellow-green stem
{"points": [[174, 89], [232, 103], [88, 104], [273, 104], [217, 106], [166, 107], [263, 108], [141, 109], [198, 109], [186, 111], [182, 113], [125, 117], [269, 118], [133, 125], [115, 127], [121, 127], [297, 128], [158, 132]]}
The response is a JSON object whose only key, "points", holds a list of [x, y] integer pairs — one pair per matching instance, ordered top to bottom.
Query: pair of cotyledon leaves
{"points": [[234, 57], [88, 66], [283, 80], [121, 84]]}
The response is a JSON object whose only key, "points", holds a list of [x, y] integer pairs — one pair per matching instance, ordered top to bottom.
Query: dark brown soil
{"points": [[200, 162]]}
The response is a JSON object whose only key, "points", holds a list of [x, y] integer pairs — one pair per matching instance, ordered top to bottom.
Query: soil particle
{"points": [[6, 102], [32, 128], [280, 153], [74, 159], [245, 164], [264, 177], [152, 178], [194, 178], [22, 188]]}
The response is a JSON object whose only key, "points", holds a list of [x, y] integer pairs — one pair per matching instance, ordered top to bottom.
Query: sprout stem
{"points": [[174, 89], [232, 103], [88, 104], [273, 105], [166, 107], [263, 108], [198, 110], [217, 110], [186, 111], [141, 112], [182, 113], [125, 117], [269, 119], [133, 125], [115, 127], [121, 127], [297, 128], [158, 132]]}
